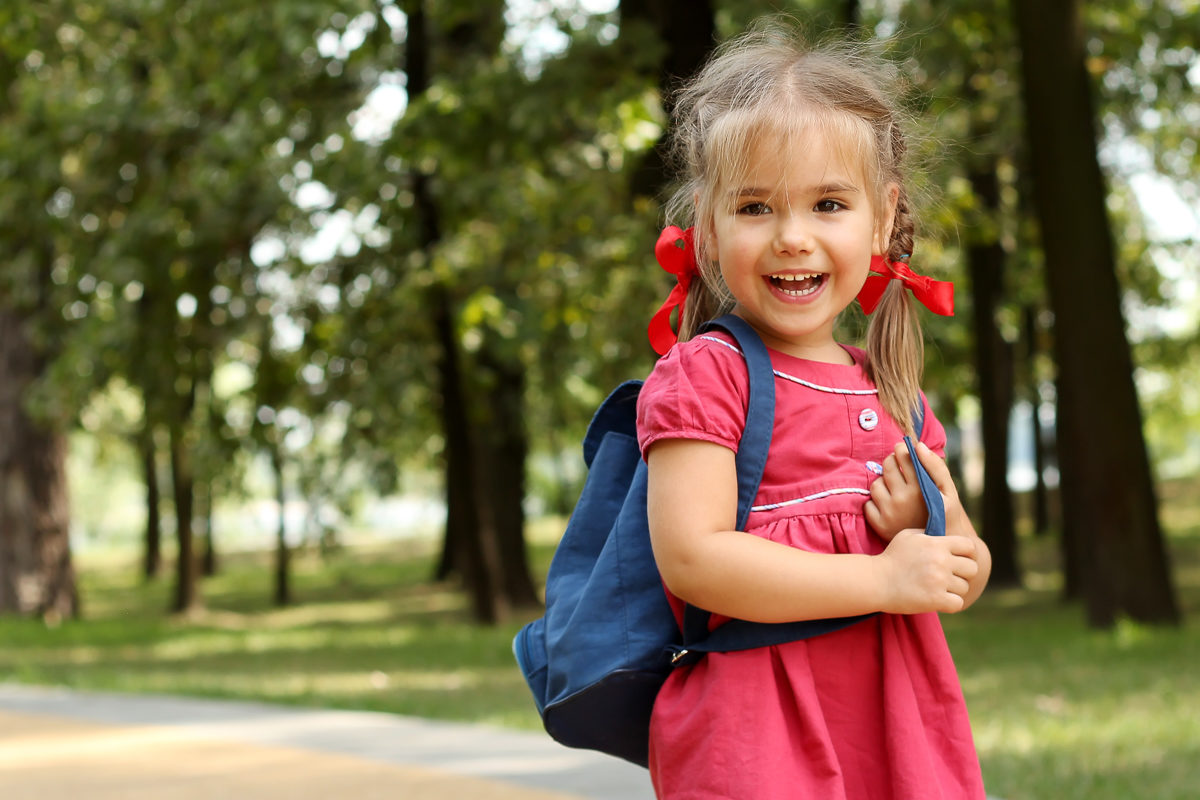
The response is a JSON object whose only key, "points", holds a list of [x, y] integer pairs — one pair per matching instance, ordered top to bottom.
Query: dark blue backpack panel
{"points": [[597, 658]]}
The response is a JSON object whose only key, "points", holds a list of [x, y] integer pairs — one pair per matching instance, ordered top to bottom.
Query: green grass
{"points": [[368, 632], [1059, 711], [1063, 713]]}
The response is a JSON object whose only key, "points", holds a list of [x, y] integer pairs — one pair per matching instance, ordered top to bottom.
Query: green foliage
{"points": [[214, 217]]}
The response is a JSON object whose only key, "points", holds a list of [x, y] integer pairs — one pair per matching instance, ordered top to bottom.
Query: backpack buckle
{"points": [[682, 657]]}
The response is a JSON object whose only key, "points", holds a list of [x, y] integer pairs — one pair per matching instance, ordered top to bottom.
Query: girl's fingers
{"points": [[904, 462], [897, 470], [881, 490], [874, 518]]}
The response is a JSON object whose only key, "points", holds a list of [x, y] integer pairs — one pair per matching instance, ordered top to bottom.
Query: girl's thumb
{"points": [[934, 465]]}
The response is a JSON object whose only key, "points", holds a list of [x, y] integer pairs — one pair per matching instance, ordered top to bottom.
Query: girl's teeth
{"points": [[797, 285]]}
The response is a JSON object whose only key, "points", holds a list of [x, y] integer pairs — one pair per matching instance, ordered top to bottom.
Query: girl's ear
{"points": [[886, 220]]}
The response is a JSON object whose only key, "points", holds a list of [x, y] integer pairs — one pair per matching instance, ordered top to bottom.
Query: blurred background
{"points": [[304, 308]]}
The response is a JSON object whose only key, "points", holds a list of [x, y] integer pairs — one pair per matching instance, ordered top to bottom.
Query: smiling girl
{"points": [[793, 185]]}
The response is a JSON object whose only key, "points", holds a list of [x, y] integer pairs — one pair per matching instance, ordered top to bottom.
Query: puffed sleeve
{"points": [[698, 390]]}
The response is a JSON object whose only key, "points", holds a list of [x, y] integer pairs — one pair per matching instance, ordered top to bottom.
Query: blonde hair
{"points": [[767, 83]]}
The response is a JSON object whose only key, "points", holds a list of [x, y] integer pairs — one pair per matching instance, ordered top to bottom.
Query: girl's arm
{"points": [[692, 512]]}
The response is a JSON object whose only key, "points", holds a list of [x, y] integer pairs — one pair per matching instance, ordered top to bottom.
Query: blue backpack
{"points": [[608, 640]]}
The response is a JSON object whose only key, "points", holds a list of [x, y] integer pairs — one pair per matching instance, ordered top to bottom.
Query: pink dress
{"points": [[871, 712]]}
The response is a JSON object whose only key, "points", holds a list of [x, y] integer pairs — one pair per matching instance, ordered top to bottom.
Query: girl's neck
{"points": [[825, 350], [829, 352], [833, 353]]}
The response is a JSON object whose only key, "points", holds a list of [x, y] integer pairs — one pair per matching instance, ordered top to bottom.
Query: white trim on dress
{"points": [[794, 379]]}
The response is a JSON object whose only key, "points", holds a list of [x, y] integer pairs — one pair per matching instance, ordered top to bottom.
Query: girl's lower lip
{"points": [[791, 298]]}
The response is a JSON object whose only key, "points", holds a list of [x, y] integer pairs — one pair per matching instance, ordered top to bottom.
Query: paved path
{"points": [[57, 744]]}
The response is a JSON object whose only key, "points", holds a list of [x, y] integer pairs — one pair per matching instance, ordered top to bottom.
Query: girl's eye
{"points": [[829, 206], [754, 209]]}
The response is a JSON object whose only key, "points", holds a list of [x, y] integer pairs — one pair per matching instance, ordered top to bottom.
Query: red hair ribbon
{"points": [[680, 261], [937, 296]]}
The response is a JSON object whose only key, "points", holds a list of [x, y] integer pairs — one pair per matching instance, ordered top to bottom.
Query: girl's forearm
{"points": [[692, 503], [740, 575]]}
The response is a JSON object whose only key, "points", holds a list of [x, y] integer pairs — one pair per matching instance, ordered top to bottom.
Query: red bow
{"points": [[680, 262], [937, 296]]}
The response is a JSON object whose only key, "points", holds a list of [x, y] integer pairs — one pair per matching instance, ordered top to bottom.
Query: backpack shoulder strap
{"points": [[918, 416], [755, 443], [751, 457], [936, 526]]}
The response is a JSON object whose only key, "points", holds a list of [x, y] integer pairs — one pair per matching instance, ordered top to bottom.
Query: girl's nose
{"points": [[792, 236]]}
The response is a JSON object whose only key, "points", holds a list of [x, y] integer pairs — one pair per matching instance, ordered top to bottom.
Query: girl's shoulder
{"points": [[708, 362], [698, 390]]}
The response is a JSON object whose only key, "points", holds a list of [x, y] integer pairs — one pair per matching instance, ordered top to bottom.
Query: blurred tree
{"points": [[684, 33], [1142, 56], [983, 69], [186, 120], [513, 160], [474, 507], [1113, 522], [36, 571]]}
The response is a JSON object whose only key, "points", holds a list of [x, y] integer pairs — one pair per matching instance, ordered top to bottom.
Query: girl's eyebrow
{"points": [[825, 188], [835, 188]]}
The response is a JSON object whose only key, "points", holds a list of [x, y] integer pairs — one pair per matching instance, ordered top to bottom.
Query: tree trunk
{"points": [[851, 14], [687, 29], [993, 359], [506, 450], [1108, 494], [1041, 497], [203, 514], [461, 519], [470, 544], [152, 561], [209, 562], [36, 573], [283, 587], [186, 597]]}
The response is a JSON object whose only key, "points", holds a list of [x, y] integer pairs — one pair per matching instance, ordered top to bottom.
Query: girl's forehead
{"points": [[811, 157]]}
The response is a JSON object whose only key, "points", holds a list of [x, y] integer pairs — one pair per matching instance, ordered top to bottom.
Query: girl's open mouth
{"points": [[797, 285]]}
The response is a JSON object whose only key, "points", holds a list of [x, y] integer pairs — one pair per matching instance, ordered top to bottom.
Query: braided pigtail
{"points": [[895, 347]]}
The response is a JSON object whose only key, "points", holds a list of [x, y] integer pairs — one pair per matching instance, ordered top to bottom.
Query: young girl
{"points": [[795, 190]]}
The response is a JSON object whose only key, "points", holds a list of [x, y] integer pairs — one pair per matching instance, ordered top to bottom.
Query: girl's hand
{"points": [[896, 502], [956, 516], [958, 524], [922, 573]]}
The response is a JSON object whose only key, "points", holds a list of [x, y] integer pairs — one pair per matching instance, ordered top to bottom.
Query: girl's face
{"points": [[794, 243]]}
